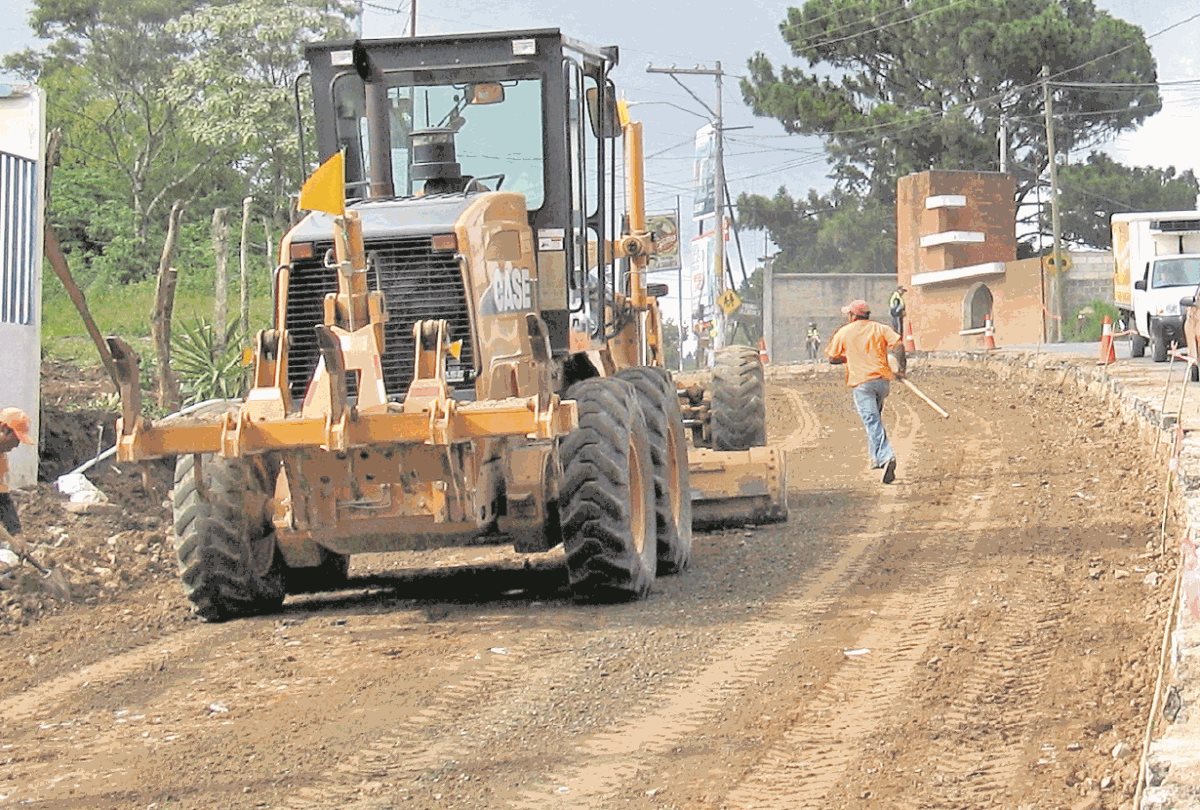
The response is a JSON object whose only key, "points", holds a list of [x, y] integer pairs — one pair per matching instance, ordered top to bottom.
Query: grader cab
{"points": [[465, 349]]}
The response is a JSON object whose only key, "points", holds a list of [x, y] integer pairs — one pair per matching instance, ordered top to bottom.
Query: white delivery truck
{"points": [[1157, 262]]}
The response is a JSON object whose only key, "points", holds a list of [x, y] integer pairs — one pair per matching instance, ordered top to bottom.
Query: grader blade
{"points": [[736, 487]]}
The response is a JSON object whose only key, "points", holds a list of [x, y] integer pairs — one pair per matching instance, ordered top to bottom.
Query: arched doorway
{"points": [[977, 305]]}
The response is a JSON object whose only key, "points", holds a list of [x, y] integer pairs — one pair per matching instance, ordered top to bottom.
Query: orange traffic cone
{"points": [[989, 334], [910, 343], [762, 351], [1108, 353]]}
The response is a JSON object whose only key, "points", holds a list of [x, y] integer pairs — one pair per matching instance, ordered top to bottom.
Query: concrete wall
{"points": [[22, 148], [956, 241], [1089, 279], [797, 298]]}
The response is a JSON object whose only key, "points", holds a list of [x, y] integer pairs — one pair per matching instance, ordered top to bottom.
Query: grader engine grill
{"points": [[418, 283]]}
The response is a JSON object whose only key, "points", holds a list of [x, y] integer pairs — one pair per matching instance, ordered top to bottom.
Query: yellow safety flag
{"points": [[623, 116], [325, 189], [456, 349]]}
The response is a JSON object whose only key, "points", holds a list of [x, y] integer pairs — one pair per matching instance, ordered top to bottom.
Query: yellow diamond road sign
{"points": [[729, 302]]}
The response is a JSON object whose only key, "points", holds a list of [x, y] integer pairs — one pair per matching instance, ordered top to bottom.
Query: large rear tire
{"points": [[739, 403], [668, 454], [606, 500], [225, 548]]}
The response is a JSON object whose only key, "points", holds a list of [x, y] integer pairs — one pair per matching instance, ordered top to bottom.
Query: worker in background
{"points": [[896, 309], [813, 341], [863, 346], [14, 429]]}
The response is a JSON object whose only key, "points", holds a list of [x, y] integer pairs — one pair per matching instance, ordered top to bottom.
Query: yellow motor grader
{"points": [[467, 351]]}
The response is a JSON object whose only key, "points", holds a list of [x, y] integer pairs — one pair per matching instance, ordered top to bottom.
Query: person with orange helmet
{"points": [[15, 428]]}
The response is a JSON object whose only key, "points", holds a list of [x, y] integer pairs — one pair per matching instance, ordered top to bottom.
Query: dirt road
{"points": [[983, 633]]}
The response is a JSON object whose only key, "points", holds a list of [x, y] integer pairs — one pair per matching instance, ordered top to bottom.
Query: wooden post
{"points": [[220, 237], [269, 240], [244, 273], [164, 306]]}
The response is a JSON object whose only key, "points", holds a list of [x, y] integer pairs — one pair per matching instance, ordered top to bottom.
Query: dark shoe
{"points": [[889, 472]]}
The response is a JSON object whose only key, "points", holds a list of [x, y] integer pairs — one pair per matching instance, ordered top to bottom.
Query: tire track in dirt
{"points": [[808, 425], [465, 685], [28, 704], [828, 731], [431, 739], [976, 758], [606, 761]]}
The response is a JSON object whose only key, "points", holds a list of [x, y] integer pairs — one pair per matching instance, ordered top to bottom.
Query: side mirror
{"points": [[606, 123], [1140, 284], [1187, 301]]}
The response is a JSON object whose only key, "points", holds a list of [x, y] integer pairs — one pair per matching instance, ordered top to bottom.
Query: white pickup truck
{"points": [[1157, 262]]}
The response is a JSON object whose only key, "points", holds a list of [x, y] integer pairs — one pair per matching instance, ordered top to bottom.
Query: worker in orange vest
{"points": [[15, 429]]}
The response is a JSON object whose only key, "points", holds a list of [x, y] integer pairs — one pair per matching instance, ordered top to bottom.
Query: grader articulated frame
{"points": [[453, 362]]}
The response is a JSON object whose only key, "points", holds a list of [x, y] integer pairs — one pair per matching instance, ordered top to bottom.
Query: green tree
{"points": [[246, 56], [897, 86], [161, 100], [124, 160], [1093, 191], [835, 233], [670, 333]]}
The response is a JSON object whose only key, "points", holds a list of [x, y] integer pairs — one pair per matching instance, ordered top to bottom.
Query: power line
{"points": [[886, 26], [1124, 47], [1125, 85]]}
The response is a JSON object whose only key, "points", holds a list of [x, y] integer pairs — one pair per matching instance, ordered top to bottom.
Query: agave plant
{"points": [[205, 370]]}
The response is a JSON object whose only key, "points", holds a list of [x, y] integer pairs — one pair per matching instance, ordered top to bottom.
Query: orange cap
{"points": [[858, 308], [18, 422]]}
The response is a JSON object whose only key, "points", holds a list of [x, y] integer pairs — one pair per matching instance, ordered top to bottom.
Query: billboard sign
{"points": [[704, 174], [665, 228]]}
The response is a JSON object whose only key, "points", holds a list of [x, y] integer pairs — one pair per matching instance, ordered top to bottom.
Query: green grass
{"points": [[124, 310], [1088, 322]]}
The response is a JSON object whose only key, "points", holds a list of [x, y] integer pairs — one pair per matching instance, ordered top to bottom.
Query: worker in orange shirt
{"points": [[863, 346], [15, 429]]}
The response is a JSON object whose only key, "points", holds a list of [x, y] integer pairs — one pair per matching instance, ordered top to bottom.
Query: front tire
{"points": [[1158, 344], [739, 401], [668, 455], [606, 500], [225, 548]]}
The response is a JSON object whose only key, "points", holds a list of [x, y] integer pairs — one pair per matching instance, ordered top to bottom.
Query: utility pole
{"points": [[412, 18], [718, 125], [1003, 136], [679, 249], [1056, 280]]}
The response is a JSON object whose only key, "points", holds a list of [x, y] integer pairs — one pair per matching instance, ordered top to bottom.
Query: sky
{"points": [[686, 33]]}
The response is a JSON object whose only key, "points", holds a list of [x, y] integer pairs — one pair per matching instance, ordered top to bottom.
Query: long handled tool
{"points": [[925, 398], [54, 578]]}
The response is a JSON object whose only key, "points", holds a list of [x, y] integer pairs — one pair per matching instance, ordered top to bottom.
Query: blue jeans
{"points": [[868, 401]]}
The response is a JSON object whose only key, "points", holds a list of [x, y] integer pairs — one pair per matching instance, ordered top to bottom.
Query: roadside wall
{"points": [[22, 148], [1089, 279], [798, 298]]}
